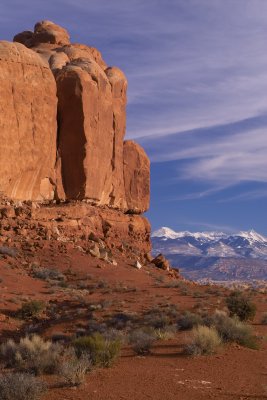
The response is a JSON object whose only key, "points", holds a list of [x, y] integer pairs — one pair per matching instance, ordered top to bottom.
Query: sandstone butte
{"points": [[63, 122], [62, 128]]}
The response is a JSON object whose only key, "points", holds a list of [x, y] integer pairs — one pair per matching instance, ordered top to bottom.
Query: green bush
{"points": [[241, 306], [31, 309], [204, 340], [101, 351], [31, 354], [16, 386]]}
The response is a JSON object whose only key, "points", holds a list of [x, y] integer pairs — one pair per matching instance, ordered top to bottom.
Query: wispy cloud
{"points": [[223, 155], [246, 196]]}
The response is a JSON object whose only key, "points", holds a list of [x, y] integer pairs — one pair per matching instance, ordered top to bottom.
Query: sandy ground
{"points": [[166, 374]]}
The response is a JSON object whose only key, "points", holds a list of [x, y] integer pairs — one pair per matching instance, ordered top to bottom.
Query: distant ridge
{"points": [[168, 233], [214, 255]]}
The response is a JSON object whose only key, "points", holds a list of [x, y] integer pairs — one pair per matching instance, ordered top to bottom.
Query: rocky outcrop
{"points": [[44, 32], [28, 105], [93, 162], [136, 177]]}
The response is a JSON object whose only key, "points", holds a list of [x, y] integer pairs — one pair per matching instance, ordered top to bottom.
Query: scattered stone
{"points": [[94, 251], [161, 262], [138, 265]]}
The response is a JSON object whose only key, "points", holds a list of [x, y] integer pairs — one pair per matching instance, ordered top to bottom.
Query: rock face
{"points": [[28, 106], [87, 155], [93, 162], [136, 177]]}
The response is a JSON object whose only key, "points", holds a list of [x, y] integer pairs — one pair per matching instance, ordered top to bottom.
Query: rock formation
{"points": [[28, 105], [62, 128], [92, 161]]}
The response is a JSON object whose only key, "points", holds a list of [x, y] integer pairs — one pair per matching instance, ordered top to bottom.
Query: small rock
{"points": [[94, 251], [161, 262], [138, 265]]}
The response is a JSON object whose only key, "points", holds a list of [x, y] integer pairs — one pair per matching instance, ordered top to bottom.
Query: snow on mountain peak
{"points": [[168, 233], [252, 235]]}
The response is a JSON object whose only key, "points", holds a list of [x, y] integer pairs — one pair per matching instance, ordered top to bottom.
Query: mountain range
{"points": [[215, 256]]}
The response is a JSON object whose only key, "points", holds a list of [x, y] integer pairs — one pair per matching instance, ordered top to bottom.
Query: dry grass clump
{"points": [[166, 333], [204, 340], [142, 341], [101, 351], [31, 354], [73, 369], [16, 386]]}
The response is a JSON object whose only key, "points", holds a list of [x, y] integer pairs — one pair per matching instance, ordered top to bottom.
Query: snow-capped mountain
{"points": [[200, 251]]}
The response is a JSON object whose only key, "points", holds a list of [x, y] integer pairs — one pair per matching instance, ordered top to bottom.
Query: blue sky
{"points": [[197, 98]]}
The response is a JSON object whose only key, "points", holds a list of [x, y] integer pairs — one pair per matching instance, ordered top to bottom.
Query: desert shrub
{"points": [[8, 251], [47, 273], [241, 306], [31, 309], [264, 319], [156, 320], [189, 320], [121, 321], [232, 330], [168, 332], [142, 340], [204, 340], [100, 350], [31, 354], [73, 369], [16, 386]]}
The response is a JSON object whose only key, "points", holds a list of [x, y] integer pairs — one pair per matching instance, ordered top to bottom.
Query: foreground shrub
{"points": [[241, 306], [31, 309], [189, 321], [233, 330], [204, 340], [141, 341], [100, 350], [31, 354], [73, 369], [20, 387]]}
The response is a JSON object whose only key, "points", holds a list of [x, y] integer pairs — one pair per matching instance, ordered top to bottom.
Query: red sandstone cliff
{"points": [[63, 121], [62, 128]]}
